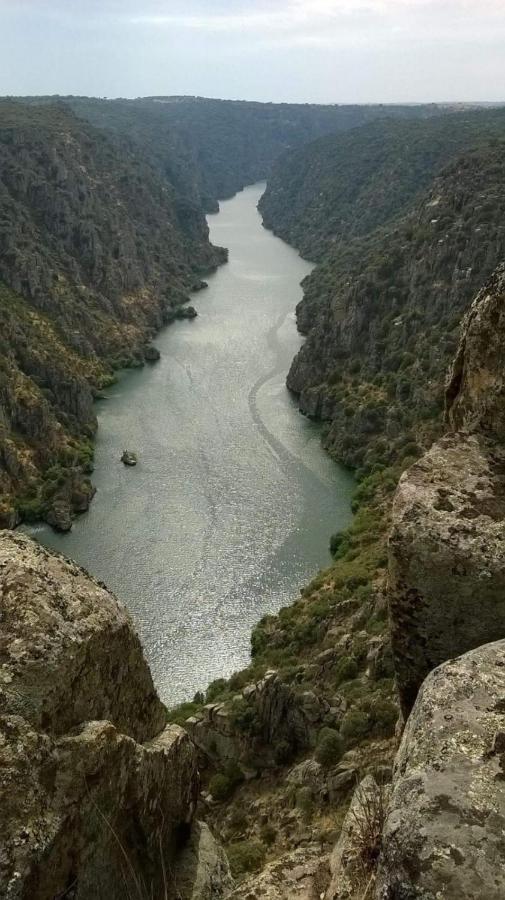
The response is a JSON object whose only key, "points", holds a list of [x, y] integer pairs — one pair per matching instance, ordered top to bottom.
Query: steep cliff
{"points": [[347, 185], [405, 222], [95, 255], [382, 315], [447, 550], [109, 791], [443, 826]]}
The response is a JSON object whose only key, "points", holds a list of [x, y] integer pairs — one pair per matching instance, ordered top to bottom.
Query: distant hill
{"points": [[212, 148], [346, 185]]}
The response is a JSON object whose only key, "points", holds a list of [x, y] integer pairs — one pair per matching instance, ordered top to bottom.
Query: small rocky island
{"points": [[129, 458]]}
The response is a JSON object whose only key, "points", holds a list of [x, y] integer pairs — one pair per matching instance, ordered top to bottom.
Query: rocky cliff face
{"points": [[347, 185], [405, 222], [94, 257], [382, 316], [446, 548], [109, 791], [444, 824]]}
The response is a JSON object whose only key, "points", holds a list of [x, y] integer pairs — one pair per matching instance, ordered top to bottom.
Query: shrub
{"points": [[30, 510], [347, 668], [215, 688], [179, 714], [383, 715], [355, 725], [330, 747], [283, 752], [223, 784], [221, 787], [304, 800], [268, 834], [245, 856]]}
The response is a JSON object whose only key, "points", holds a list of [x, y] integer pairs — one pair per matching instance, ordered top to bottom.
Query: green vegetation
{"points": [[209, 149], [348, 185], [329, 748], [223, 784], [245, 857]]}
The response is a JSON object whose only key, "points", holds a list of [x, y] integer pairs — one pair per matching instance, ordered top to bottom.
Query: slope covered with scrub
{"points": [[213, 148], [95, 255]]}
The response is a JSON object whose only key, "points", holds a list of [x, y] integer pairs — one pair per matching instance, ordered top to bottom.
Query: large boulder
{"points": [[475, 396], [446, 557], [97, 794], [445, 823]]}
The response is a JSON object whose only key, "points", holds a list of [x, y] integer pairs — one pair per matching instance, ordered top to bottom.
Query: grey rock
{"points": [[475, 395], [447, 557], [97, 793], [443, 836], [202, 870], [349, 876]]}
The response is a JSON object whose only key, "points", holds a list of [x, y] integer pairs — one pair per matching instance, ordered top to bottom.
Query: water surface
{"points": [[229, 511]]}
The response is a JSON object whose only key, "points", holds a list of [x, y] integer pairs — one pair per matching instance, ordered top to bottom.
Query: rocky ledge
{"points": [[447, 546], [109, 791], [443, 835]]}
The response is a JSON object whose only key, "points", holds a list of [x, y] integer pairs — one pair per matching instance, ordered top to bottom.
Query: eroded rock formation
{"points": [[447, 546], [97, 793]]}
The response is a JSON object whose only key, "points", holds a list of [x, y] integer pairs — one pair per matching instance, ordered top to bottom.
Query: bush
{"points": [[30, 510], [347, 668], [214, 689], [384, 716], [355, 726], [330, 747], [283, 752], [223, 784], [221, 787], [268, 834], [245, 856]]}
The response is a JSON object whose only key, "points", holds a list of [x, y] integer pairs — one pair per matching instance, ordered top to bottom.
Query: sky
{"points": [[323, 51]]}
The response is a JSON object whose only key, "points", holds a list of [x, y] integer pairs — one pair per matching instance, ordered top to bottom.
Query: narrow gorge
{"points": [[350, 743]]}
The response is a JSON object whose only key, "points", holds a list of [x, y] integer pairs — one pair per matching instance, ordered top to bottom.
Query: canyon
{"points": [[360, 752]]}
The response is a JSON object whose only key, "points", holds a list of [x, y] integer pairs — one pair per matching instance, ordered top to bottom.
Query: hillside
{"points": [[213, 148], [343, 186], [405, 225], [97, 251], [382, 314]]}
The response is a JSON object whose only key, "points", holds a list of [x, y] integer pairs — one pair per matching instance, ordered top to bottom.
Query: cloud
{"points": [[299, 21], [345, 50]]}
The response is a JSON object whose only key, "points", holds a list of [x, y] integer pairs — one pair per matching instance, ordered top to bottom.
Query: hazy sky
{"points": [[306, 50]]}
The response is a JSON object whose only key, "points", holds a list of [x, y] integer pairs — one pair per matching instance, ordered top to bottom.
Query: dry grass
{"points": [[369, 815]]}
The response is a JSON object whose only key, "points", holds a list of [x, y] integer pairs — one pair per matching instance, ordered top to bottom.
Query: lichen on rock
{"points": [[109, 790]]}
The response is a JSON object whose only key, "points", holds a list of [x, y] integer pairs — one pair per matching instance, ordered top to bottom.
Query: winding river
{"points": [[229, 511]]}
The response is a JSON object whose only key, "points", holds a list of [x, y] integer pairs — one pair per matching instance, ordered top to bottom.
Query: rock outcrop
{"points": [[475, 396], [447, 545], [447, 557], [268, 718], [97, 793], [443, 835], [355, 854]]}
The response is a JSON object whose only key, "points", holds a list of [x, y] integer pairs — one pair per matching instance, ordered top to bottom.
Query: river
{"points": [[230, 508]]}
